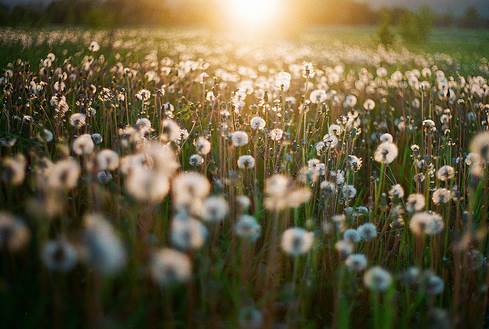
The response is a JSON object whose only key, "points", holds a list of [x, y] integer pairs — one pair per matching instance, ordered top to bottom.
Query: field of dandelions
{"points": [[178, 180]]}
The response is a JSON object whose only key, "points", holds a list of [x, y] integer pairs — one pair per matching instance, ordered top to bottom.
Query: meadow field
{"points": [[176, 178]]}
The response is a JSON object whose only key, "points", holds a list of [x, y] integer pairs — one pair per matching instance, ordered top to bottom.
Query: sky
{"points": [[455, 7]]}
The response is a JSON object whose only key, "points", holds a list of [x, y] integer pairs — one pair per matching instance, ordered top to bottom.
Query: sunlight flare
{"points": [[253, 14]]}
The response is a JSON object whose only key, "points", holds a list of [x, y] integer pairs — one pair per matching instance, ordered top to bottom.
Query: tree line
{"points": [[111, 13]]}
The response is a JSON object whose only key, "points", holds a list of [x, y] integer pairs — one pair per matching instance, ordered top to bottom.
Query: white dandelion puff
{"points": [[239, 138], [83, 145], [386, 153], [214, 209], [429, 223], [247, 228], [297, 241], [105, 251], [59, 255], [356, 262], [170, 266], [377, 279]]}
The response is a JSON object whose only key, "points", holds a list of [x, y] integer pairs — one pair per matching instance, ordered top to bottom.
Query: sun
{"points": [[253, 14]]}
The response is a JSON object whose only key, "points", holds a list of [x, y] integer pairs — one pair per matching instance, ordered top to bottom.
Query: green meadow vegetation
{"points": [[175, 178]]}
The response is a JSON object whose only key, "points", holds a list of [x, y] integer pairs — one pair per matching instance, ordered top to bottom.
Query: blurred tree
{"points": [[4, 13], [24, 15], [425, 17], [471, 18], [445, 20], [416, 27], [385, 35]]}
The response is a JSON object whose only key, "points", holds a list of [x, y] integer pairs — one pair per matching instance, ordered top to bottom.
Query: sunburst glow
{"points": [[253, 14]]}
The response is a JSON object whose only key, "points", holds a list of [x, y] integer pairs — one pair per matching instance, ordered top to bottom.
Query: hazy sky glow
{"points": [[455, 7]]}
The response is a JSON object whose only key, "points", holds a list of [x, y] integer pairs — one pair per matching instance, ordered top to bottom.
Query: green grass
{"points": [[466, 46]]}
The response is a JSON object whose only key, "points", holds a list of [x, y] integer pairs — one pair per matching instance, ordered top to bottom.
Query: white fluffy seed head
{"points": [[297, 241], [170, 266]]}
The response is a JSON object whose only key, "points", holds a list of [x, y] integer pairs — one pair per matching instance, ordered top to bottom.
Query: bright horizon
{"points": [[455, 7]]}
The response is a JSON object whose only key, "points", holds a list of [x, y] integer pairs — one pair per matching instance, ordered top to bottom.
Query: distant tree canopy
{"points": [[319, 12], [104, 13], [110, 13], [471, 18], [416, 26], [385, 35]]}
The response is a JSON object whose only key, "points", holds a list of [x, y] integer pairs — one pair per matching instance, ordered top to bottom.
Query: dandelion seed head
{"points": [[94, 46], [282, 81], [143, 95], [318, 96], [350, 101], [369, 105], [78, 120], [257, 123], [335, 130], [170, 131], [276, 134], [46, 135], [97, 138], [239, 138], [386, 138], [330, 141], [83, 145], [202, 145], [480, 146], [386, 153], [160, 158], [107, 160], [196, 160], [246, 162], [354, 162], [13, 169], [445, 173], [63, 174], [146, 185], [189, 188], [328, 188], [349, 192], [396, 192], [441, 195], [243, 202], [415, 202], [214, 209], [429, 223], [247, 228], [367, 231], [188, 233], [14, 234], [351, 235], [297, 241], [344, 248], [105, 252], [59, 255], [356, 262], [170, 266], [377, 279], [432, 283]]}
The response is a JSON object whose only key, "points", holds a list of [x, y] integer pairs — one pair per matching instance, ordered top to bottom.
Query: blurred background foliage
{"points": [[302, 13]]}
